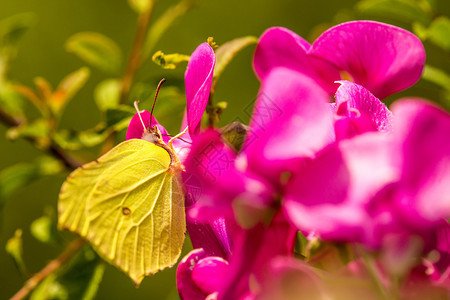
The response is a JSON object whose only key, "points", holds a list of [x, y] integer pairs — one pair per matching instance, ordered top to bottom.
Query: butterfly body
{"points": [[129, 204]]}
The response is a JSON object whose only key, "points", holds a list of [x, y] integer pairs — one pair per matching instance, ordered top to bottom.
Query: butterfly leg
{"points": [[177, 136]]}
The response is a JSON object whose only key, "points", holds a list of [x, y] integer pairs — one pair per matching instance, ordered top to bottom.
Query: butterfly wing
{"points": [[129, 207]]}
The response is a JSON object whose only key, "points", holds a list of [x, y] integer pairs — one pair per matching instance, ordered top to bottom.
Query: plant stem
{"points": [[136, 53], [210, 109], [9, 120], [69, 161], [48, 269]]}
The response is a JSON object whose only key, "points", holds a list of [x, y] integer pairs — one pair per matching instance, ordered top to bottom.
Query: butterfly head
{"points": [[153, 135]]}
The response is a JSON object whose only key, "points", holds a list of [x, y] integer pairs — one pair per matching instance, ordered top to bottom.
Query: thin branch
{"points": [[136, 53], [210, 109], [9, 120], [69, 161], [48, 269]]}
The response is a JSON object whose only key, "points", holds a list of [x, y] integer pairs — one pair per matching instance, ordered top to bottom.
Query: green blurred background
{"points": [[42, 53]]}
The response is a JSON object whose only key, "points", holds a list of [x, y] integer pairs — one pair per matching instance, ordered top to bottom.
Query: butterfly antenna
{"points": [[156, 96], [139, 114], [178, 138]]}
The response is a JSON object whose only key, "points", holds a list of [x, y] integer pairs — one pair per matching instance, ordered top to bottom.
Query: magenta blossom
{"points": [[383, 58], [198, 79], [297, 140], [377, 184], [200, 276]]}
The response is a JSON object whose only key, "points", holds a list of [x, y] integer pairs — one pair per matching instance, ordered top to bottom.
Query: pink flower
{"points": [[383, 58], [322, 163], [377, 184], [200, 276]]}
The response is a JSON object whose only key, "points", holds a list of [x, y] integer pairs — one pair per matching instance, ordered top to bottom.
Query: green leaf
{"points": [[141, 6], [405, 10], [163, 23], [13, 28], [420, 30], [11, 31], [439, 32], [97, 50], [227, 51], [169, 61], [437, 76], [67, 88], [107, 94], [11, 101], [119, 117], [39, 130], [75, 140], [19, 175], [44, 229], [14, 247], [79, 279]]}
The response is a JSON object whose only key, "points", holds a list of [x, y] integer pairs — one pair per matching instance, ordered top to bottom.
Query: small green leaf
{"points": [[141, 5], [405, 10], [13, 28], [420, 30], [11, 31], [439, 32], [97, 50], [227, 51], [169, 61], [437, 76], [67, 88], [107, 94], [11, 101], [119, 117], [39, 129], [74, 140], [19, 175], [41, 229], [44, 229], [300, 245], [14, 247], [79, 279]]}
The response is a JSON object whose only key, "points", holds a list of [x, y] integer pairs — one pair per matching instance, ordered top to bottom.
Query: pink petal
{"points": [[280, 47], [383, 58], [198, 79], [359, 111], [291, 120], [136, 129], [422, 132], [211, 163], [330, 194], [210, 236], [252, 253], [210, 273], [187, 288]]}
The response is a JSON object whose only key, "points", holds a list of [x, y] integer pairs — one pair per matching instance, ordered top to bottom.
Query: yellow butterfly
{"points": [[129, 204]]}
